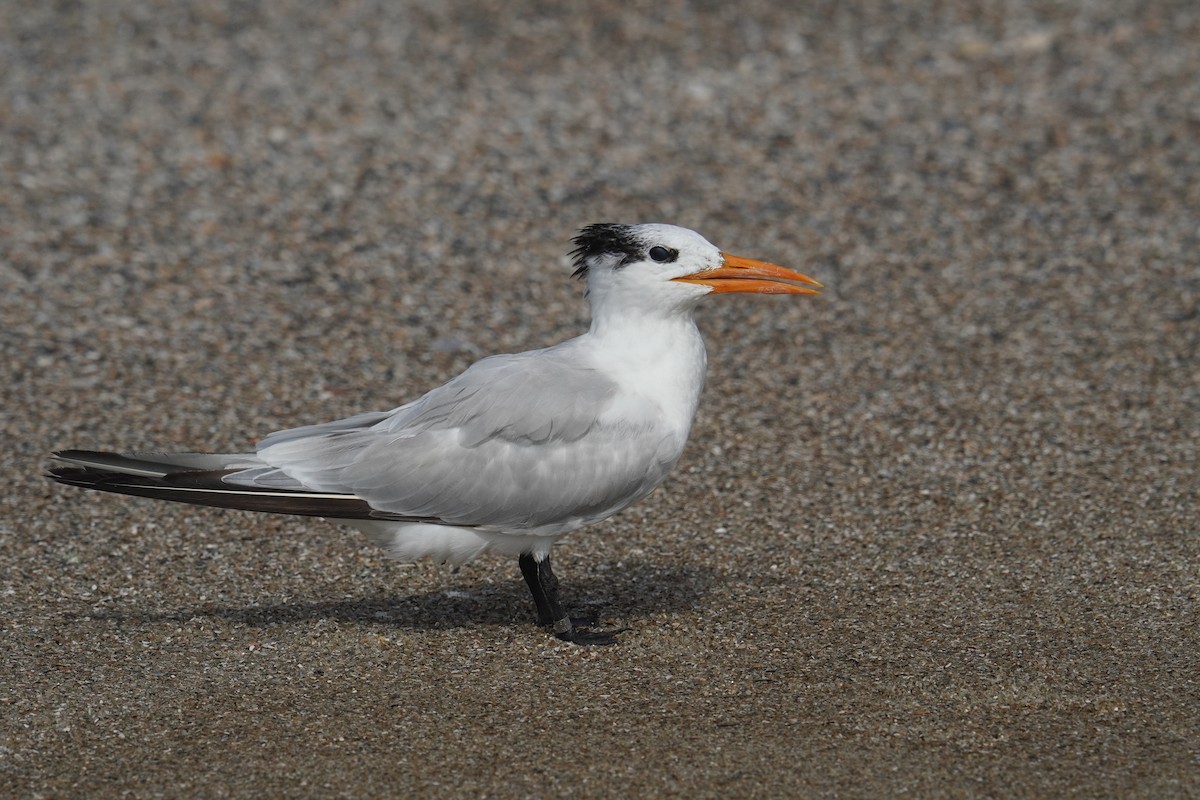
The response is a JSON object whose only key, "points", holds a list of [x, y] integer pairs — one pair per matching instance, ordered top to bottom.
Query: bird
{"points": [[516, 451]]}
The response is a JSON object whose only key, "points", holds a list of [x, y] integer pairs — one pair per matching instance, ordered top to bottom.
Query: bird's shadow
{"points": [[621, 595]]}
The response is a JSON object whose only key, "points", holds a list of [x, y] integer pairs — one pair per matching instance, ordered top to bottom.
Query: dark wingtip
{"points": [[74, 454], [77, 476]]}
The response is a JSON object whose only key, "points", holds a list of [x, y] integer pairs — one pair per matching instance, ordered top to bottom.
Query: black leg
{"points": [[529, 569], [543, 585]]}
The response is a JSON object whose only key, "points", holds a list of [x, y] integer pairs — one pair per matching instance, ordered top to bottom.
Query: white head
{"points": [[664, 269]]}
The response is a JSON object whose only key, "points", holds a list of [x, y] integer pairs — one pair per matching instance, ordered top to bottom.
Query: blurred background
{"points": [[935, 531]]}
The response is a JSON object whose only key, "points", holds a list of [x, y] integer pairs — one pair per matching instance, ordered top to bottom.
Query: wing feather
{"points": [[515, 442]]}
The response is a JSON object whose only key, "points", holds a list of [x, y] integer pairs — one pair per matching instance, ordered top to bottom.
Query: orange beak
{"points": [[739, 274]]}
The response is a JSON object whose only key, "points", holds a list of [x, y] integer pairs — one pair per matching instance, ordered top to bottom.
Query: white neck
{"points": [[655, 356]]}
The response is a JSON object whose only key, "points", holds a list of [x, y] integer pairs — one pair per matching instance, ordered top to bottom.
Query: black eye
{"points": [[662, 254]]}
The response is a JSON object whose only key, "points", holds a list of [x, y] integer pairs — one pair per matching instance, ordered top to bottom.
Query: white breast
{"points": [[659, 366]]}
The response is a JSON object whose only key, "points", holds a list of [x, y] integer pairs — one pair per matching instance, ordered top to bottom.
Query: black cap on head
{"points": [[606, 238]]}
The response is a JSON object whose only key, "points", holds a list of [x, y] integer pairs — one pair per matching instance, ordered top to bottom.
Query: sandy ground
{"points": [[935, 532]]}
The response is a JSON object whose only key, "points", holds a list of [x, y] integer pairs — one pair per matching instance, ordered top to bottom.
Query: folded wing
{"points": [[517, 442]]}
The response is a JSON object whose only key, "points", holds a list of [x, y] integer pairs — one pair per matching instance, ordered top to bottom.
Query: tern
{"points": [[515, 452]]}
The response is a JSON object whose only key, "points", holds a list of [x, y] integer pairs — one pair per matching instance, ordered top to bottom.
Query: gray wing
{"points": [[515, 442]]}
